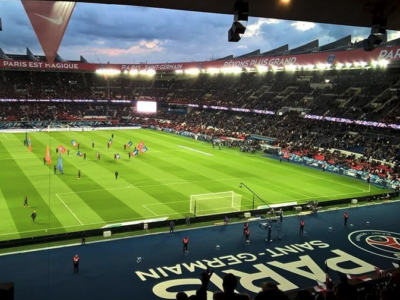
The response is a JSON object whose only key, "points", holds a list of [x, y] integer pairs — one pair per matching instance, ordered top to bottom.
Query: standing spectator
{"points": [[26, 202], [33, 216], [345, 218], [226, 220], [302, 223], [245, 227], [171, 228], [247, 236], [269, 238], [83, 242], [185, 245], [76, 264], [229, 285]]}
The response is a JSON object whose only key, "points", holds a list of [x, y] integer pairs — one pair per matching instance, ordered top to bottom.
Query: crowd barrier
{"points": [[345, 171]]}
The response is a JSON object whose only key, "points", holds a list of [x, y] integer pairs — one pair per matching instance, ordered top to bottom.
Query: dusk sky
{"points": [[128, 34]]}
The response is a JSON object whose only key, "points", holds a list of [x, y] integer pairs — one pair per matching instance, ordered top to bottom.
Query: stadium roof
{"points": [[342, 12]]}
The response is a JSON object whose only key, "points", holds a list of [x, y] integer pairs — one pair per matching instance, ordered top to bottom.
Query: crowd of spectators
{"points": [[352, 94], [355, 94], [385, 287]]}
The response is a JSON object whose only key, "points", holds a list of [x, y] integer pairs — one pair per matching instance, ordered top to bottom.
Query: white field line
{"points": [[5, 136], [198, 151], [294, 171], [269, 183], [152, 185], [145, 206], [69, 209], [144, 217], [151, 234]]}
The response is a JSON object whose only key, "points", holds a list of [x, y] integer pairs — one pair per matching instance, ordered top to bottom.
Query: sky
{"points": [[129, 34]]}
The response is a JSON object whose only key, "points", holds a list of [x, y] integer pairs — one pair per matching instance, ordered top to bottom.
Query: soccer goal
{"points": [[215, 203]]}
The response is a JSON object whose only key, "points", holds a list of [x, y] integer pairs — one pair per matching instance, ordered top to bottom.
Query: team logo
{"points": [[331, 58], [378, 242]]}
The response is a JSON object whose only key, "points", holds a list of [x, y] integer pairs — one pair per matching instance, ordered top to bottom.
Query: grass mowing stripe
{"points": [[91, 174], [127, 177], [162, 179], [15, 184], [7, 223]]}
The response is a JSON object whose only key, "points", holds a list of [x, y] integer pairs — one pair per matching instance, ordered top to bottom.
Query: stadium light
{"points": [[383, 63], [363, 64], [348, 65], [323, 66], [339, 66], [309, 67], [274, 68], [290, 68], [262, 69], [213, 70], [234, 70], [179, 71], [193, 71], [109, 72], [133, 72]]}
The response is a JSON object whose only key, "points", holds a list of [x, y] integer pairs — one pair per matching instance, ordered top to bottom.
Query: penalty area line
{"points": [[198, 151], [59, 198], [145, 206]]}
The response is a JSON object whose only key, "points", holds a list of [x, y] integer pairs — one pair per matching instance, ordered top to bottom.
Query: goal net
{"points": [[215, 203]]}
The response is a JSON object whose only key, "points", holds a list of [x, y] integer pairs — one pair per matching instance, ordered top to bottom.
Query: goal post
{"points": [[215, 203]]}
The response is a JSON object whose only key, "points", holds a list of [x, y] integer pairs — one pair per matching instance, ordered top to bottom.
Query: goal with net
{"points": [[215, 203]]}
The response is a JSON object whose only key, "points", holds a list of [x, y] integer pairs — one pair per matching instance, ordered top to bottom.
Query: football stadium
{"points": [[269, 175]]}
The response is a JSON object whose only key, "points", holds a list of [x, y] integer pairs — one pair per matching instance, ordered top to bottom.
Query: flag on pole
{"points": [[29, 143], [74, 143], [142, 148], [62, 149], [135, 152], [48, 157], [60, 165]]}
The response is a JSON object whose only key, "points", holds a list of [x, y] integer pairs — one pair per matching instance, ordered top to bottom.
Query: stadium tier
{"points": [[338, 120]]}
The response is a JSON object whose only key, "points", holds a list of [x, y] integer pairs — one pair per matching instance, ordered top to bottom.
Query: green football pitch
{"points": [[155, 184]]}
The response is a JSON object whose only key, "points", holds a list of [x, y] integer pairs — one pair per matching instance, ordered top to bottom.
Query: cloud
{"points": [[303, 26], [255, 29], [125, 34], [142, 47]]}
